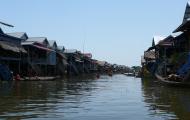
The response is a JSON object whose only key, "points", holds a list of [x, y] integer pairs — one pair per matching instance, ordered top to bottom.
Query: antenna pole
{"points": [[6, 24]]}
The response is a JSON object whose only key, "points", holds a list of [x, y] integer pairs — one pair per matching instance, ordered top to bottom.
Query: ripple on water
{"points": [[107, 98]]}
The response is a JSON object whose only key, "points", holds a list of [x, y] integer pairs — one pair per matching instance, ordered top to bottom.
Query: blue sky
{"points": [[117, 31]]}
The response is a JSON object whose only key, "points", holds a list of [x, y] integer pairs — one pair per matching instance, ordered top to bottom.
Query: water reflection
{"points": [[43, 98], [88, 98], [169, 102]]}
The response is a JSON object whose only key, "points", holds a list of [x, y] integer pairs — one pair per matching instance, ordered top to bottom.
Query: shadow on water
{"points": [[34, 99], [171, 102]]}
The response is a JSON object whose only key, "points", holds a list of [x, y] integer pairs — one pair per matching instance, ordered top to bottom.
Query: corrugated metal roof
{"points": [[20, 35], [11, 39], [38, 39], [42, 40], [28, 43], [53, 44], [37, 45], [43, 48], [62, 48], [70, 51]]}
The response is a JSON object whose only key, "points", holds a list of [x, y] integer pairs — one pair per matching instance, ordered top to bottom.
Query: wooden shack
{"points": [[11, 52], [41, 59]]}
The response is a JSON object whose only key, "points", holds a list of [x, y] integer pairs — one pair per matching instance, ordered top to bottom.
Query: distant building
{"points": [[75, 63]]}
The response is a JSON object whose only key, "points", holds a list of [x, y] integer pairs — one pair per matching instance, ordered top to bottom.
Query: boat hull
{"points": [[171, 83]]}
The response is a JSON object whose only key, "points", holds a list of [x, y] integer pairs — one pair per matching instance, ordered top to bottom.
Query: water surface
{"points": [[87, 98]]}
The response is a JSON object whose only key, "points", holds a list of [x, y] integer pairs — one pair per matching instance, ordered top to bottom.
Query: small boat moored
{"points": [[172, 82]]}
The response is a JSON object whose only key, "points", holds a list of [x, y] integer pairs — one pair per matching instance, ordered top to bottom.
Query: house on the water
{"points": [[11, 52], [41, 58], [61, 61], [75, 62]]}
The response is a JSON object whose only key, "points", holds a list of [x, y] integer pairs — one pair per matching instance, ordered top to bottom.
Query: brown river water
{"points": [[89, 98]]}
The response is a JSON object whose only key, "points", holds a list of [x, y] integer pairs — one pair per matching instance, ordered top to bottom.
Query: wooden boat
{"points": [[129, 74], [39, 78], [171, 82]]}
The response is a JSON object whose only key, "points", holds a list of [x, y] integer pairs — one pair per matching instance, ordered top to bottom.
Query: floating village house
{"points": [[175, 48], [11, 52], [172, 53], [151, 55], [160, 55], [41, 58], [51, 60], [61, 61], [80, 62], [87, 62], [75, 63], [89, 65]]}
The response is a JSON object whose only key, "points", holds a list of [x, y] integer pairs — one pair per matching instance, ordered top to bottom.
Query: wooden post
{"points": [[19, 62], [28, 62], [46, 64], [165, 69]]}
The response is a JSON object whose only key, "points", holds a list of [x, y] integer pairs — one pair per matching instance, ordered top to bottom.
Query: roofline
{"points": [[15, 32], [18, 32], [11, 36], [38, 37]]}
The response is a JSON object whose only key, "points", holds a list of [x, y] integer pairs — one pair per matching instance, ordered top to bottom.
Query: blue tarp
{"points": [[51, 58], [184, 69], [5, 73]]}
